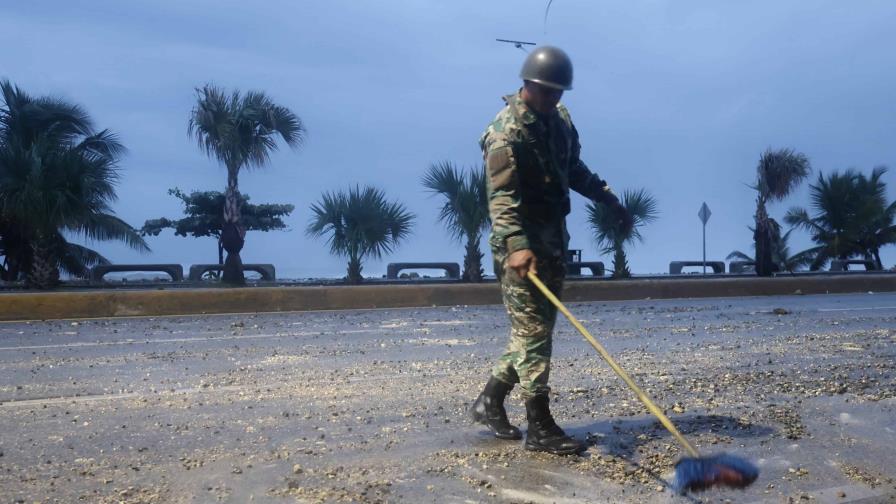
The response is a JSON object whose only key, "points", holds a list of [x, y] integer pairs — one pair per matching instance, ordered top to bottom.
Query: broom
{"points": [[692, 473]]}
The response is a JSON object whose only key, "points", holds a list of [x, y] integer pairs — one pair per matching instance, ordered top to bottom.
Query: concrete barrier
{"points": [[843, 265], [595, 267], [717, 267], [738, 267], [452, 270], [175, 271], [266, 271], [181, 301]]}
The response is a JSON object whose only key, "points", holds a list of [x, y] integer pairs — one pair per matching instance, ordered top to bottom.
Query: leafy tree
{"points": [[241, 131], [778, 173], [57, 177], [465, 211], [204, 212], [852, 217], [359, 223], [612, 235]]}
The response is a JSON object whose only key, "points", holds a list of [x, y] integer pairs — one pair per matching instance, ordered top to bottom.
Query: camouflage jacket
{"points": [[531, 163]]}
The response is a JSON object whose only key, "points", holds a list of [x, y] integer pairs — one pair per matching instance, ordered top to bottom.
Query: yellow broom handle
{"points": [[619, 371]]}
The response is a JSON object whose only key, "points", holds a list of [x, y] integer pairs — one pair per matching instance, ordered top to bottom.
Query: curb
{"points": [[118, 303]]}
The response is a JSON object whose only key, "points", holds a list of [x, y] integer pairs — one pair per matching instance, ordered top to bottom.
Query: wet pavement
{"points": [[370, 406]]}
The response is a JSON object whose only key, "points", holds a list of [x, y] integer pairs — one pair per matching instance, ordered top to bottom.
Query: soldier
{"points": [[531, 153]]}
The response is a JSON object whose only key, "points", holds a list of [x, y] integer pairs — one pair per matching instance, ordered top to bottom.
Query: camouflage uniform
{"points": [[531, 163]]}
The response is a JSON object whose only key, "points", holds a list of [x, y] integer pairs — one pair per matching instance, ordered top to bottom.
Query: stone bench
{"points": [[841, 265], [675, 267], [741, 267], [575, 268], [265, 270], [452, 270], [175, 271]]}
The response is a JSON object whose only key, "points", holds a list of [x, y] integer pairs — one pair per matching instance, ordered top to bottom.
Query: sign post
{"points": [[704, 214]]}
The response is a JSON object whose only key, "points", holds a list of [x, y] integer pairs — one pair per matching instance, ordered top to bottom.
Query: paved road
{"points": [[369, 406]]}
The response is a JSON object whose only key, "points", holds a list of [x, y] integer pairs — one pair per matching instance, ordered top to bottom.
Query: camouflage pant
{"points": [[527, 360]]}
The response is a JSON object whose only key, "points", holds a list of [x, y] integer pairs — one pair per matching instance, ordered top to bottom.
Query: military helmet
{"points": [[548, 66]]}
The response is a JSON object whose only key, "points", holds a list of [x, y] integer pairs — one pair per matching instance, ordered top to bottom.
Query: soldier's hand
{"points": [[522, 261]]}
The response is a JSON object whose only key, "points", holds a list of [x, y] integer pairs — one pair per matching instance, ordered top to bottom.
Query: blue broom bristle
{"points": [[695, 474]]}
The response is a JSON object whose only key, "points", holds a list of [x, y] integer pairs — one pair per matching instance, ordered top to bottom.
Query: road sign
{"points": [[704, 213]]}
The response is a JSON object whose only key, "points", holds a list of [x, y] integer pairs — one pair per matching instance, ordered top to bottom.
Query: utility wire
{"points": [[546, 9]]}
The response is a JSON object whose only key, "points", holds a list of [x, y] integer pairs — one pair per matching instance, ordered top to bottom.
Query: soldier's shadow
{"points": [[623, 438]]}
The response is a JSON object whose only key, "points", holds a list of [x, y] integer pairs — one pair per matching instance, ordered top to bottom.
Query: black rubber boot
{"points": [[489, 410], [544, 434]]}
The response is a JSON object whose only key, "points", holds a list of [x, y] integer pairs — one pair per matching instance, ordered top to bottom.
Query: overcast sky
{"points": [[677, 97]]}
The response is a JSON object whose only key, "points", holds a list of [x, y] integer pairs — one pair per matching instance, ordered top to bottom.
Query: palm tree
{"points": [[241, 131], [778, 173], [57, 176], [465, 212], [876, 217], [852, 219], [359, 223], [612, 235], [781, 257]]}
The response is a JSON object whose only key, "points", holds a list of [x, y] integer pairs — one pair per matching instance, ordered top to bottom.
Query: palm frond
{"points": [[25, 119], [210, 123], [240, 130], [104, 144], [780, 171], [56, 172], [641, 206], [643, 209], [465, 210], [852, 217], [799, 218], [329, 219], [360, 222], [604, 226], [105, 227], [609, 235], [737, 254], [804, 258], [76, 260]]}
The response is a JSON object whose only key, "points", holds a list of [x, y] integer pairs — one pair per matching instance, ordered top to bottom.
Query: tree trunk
{"points": [[233, 233], [763, 238], [220, 251], [472, 261], [877, 262], [620, 263], [354, 270], [44, 273]]}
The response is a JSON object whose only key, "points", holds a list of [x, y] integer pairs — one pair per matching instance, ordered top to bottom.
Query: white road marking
{"points": [[865, 308], [231, 314], [189, 340], [204, 390], [114, 397], [68, 400]]}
